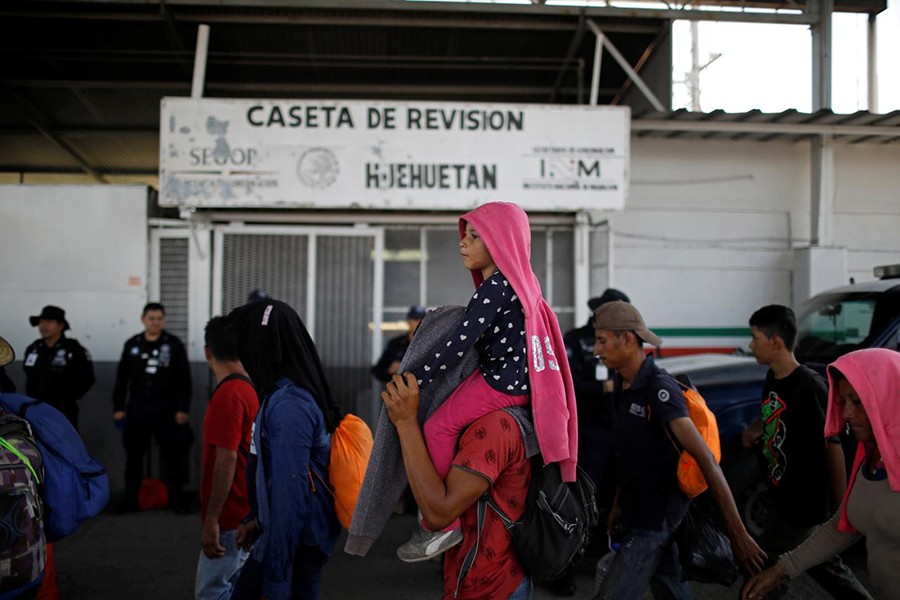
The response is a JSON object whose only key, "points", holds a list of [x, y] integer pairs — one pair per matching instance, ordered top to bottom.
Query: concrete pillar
{"points": [[822, 191], [816, 270]]}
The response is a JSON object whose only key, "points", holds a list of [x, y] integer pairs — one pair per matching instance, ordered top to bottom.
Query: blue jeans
{"points": [[646, 556], [216, 576], [306, 576], [523, 592]]}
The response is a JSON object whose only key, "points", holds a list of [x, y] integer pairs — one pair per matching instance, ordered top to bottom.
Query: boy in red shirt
{"points": [[223, 484]]}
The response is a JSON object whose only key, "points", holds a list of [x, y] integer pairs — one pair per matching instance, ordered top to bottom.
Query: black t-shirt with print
{"points": [[793, 446], [646, 460]]}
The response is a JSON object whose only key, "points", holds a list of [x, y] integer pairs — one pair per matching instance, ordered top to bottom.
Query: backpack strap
{"points": [[233, 376], [685, 383], [23, 408], [522, 417], [21, 457], [313, 472], [469, 560]]}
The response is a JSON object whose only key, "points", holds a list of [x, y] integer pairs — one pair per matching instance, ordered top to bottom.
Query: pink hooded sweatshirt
{"points": [[505, 230], [875, 375]]}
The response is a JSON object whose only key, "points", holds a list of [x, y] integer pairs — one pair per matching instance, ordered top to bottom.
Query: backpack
{"points": [[351, 446], [690, 478], [76, 486], [552, 535], [23, 547]]}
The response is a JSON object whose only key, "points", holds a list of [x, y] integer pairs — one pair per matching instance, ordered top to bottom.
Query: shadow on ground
{"points": [[153, 555]]}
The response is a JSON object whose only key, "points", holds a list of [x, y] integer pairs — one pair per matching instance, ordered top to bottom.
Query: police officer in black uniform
{"points": [[393, 353], [58, 370], [593, 395], [152, 397]]}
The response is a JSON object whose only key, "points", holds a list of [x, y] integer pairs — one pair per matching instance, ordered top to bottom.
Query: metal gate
{"points": [[332, 277]]}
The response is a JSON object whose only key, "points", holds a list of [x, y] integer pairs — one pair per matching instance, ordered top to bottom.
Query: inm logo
{"points": [[570, 168]]}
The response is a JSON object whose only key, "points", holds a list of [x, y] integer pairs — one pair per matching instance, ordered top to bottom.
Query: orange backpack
{"points": [[351, 446], [690, 478]]}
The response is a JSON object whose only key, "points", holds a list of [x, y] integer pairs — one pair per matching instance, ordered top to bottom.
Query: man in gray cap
{"points": [[58, 370], [648, 406]]}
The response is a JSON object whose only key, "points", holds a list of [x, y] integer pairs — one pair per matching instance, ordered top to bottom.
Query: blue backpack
{"points": [[75, 485]]}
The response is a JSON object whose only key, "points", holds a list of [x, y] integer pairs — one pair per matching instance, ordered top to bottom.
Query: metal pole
{"points": [[821, 55], [200, 61], [873, 65], [695, 66], [595, 74], [580, 82], [651, 97], [582, 238], [610, 254]]}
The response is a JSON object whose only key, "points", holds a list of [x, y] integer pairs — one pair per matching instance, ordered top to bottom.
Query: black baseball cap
{"points": [[610, 295], [416, 312]]}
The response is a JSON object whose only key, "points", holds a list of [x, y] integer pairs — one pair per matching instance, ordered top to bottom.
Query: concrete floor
{"points": [[152, 556]]}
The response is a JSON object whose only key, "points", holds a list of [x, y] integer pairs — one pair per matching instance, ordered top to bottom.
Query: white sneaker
{"points": [[425, 545]]}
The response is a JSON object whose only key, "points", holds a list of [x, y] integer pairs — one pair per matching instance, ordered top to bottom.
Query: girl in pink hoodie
{"points": [[516, 335], [864, 395]]}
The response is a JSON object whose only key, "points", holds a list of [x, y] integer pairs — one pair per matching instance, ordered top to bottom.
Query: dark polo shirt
{"points": [[646, 460]]}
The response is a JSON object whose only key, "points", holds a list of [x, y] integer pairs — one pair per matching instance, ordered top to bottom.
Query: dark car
{"points": [[830, 324]]}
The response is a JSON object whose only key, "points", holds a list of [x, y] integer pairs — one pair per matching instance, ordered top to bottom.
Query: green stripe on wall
{"points": [[701, 331]]}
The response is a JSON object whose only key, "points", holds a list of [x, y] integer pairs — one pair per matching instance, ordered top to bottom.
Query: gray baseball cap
{"points": [[622, 316]]}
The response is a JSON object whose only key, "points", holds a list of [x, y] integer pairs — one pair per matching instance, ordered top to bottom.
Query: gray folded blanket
{"points": [[385, 477]]}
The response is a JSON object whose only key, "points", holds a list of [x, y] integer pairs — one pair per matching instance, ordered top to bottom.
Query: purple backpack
{"points": [[23, 548]]}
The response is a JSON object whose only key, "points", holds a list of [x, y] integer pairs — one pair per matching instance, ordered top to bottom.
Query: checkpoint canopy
{"points": [[228, 153]]}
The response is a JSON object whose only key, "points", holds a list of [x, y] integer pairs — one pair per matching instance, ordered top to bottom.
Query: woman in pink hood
{"points": [[517, 336], [864, 395]]}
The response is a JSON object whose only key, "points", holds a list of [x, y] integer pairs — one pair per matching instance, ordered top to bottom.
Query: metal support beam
{"points": [[799, 17], [174, 37], [614, 52], [648, 52], [821, 54], [570, 55], [200, 61], [872, 64], [595, 69], [318, 89], [40, 123], [732, 127], [57, 170], [822, 190]]}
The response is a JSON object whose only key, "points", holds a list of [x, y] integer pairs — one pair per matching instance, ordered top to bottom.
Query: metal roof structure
{"points": [[82, 80], [754, 125]]}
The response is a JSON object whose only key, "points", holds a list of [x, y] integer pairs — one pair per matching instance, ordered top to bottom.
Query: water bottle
{"points": [[605, 563]]}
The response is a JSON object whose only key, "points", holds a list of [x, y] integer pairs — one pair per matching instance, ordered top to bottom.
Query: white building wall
{"points": [[867, 206], [710, 228], [83, 248]]}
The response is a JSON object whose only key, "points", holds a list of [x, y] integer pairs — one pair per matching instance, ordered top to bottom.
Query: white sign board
{"points": [[391, 155]]}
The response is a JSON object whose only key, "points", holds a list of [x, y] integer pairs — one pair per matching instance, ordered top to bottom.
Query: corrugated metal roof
{"points": [[83, 79], [790, 125]]}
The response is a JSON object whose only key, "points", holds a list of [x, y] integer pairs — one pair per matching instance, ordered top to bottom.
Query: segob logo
{"points": [[317, 168]]}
